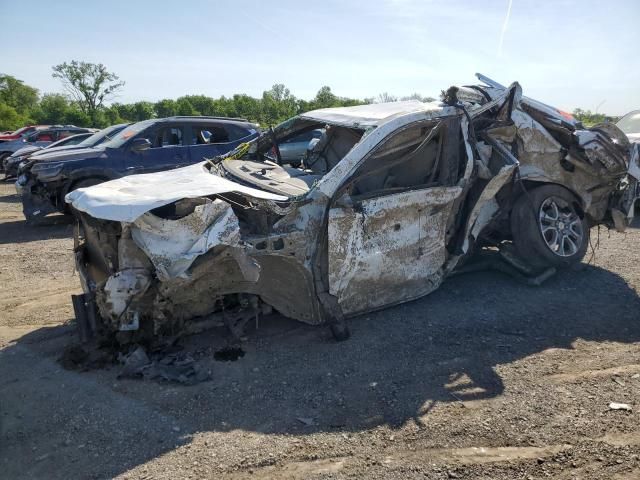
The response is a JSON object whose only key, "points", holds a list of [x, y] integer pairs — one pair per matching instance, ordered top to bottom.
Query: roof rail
{"points": [[238, 119]]}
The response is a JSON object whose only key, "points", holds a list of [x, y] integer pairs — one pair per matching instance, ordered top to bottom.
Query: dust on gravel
{"points": [[484, 378]]}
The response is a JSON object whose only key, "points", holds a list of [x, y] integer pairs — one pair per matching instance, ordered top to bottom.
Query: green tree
{"points": [[89, 84], [16, 94], [325, 98], [202, 104], [278, 104], [243, 106], [184, 107], [53, 108], [165, 108], [142, 111], [75, 116], [112, 116], [588, 118], [10, 119]]}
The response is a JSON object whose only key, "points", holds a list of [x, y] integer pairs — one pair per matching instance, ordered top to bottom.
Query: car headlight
{"points": [[47, 170]]}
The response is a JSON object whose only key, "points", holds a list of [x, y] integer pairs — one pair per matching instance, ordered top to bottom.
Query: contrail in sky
{"points": [[504, 28]]}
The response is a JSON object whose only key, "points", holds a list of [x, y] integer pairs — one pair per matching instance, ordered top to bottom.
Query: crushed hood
{"points": [[127, 198]]}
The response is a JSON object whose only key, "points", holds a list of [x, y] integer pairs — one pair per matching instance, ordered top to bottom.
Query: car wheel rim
{"points": [[561, 227]]}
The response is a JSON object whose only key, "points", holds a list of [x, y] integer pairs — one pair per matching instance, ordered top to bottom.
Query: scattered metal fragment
{"points": [[228, 354], [173, 367], [618, 381], [620, 406], [306, 421]]}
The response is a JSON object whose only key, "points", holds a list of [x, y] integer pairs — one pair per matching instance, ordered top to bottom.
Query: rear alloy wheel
{"points": [[548, 227], [561, 227]]}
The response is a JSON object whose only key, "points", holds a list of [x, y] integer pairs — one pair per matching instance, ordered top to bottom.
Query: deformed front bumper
{"points": [[36, 201]]}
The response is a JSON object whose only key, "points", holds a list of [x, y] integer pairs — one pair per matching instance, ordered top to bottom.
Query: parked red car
{"points": [[21, 132]]}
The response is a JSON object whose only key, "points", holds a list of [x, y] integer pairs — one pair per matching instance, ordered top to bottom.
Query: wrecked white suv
{"points": [[378, 211]]}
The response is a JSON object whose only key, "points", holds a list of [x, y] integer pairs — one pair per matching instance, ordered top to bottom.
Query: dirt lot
{"points": [[485, 378]]}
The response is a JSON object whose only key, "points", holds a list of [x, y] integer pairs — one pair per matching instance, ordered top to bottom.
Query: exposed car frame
{"points": [[234, 237]]}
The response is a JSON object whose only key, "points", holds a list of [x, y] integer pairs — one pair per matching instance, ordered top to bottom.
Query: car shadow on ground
{"points": [[10, 199], [19, 231], [295, 380]]}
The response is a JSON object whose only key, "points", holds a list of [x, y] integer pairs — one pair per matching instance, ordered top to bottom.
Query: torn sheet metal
{"points": [[535, 138], [602, 158], [127, 198], [486, 207], [173, 245], [389, 249], [120, 290]]}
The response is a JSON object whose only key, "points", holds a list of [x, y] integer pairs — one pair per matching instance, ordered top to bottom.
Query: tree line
{"points": [[90, 86]]}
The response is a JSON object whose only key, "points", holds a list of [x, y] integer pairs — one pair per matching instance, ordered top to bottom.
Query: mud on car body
{"points": [[147, 146], [390, 200]]}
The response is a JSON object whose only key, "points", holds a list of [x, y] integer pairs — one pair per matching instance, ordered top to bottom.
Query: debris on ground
{"points": [[228, 354], [78, 357], [166, 365], [173, 367], [620, 406], [306, 421]]}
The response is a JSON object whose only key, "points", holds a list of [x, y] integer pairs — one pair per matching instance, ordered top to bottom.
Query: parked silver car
{"points": [[630, 124]]}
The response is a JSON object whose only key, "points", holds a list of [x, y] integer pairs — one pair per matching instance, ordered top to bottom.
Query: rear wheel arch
{"points": [[529, 185]]}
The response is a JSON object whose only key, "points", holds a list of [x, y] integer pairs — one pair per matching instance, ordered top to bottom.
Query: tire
{"points": [[3, 156], [84, 183], [549, 228]]}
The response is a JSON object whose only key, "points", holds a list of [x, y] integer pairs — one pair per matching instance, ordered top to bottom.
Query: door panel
{"points": [[167, 151], [200, 153], [156, 159], [388, 249]]}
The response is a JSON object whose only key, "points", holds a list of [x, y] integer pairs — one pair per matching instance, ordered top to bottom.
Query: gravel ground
{"points": [[484, 378]]}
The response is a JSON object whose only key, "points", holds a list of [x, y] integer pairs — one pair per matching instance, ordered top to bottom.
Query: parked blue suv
{"points": [[143, 147]]}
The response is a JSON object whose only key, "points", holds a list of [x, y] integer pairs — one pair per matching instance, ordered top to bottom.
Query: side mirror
{"points": [[140, 144]]}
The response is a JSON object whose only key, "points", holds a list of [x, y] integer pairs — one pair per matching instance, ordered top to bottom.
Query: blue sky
{"points": [[563, 52]]}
